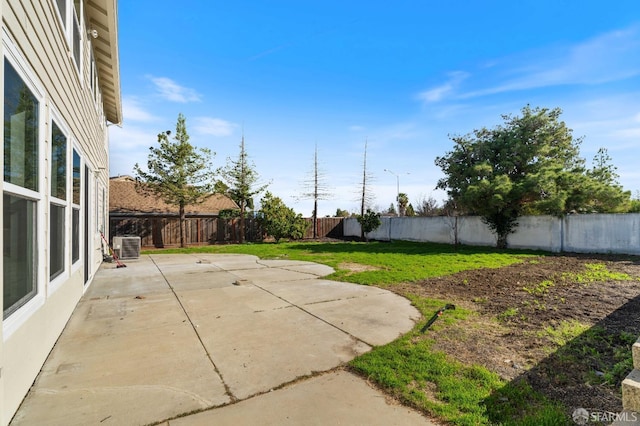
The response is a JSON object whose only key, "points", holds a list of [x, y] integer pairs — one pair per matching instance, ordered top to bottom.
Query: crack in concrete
{"points": [[314, 315], [118, 389], [227, 389]]}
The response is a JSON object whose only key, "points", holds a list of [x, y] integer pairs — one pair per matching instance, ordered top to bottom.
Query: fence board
{"points": [[165, 231]]}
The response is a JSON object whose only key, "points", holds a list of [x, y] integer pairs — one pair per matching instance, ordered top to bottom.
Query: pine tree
{"points": [[177, 172], [241, 179]]}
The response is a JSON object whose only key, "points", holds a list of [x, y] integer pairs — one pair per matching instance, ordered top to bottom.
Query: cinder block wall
{"points": [[631, 385]]}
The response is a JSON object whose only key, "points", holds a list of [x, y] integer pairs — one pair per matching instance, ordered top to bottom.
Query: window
{"points": [[62, 9], [71, 17], [75, 35], [20, 131], [58, 163], [20, 197], [57, 207], [75, 210], [56, 240], [20, 260]]}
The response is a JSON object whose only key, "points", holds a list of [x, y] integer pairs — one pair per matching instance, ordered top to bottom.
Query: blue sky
{"points": [[402, 76]]}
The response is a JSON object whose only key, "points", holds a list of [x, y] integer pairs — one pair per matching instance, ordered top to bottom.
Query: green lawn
{"points": [[398, 261], [408, 368]]}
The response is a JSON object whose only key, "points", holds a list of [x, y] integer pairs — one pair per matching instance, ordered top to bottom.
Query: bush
{"points": [[280, 221], [370, 221]]}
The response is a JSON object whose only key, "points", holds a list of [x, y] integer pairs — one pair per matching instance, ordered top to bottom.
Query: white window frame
{"points": [[67, 24], [95, 87], [87, 166], [75, 266], [56, 282], [23, 313]]}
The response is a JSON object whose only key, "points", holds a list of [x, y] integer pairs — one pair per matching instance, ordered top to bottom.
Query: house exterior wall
{"points": [[40, 47]]}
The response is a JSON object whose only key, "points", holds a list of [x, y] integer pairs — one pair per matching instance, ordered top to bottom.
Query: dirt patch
{"points": [[356, 267], [563, 323]]}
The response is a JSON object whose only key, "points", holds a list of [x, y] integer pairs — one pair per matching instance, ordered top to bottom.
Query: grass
{"points": [[394, 262], [597, 272], [540, 289], [508, 313], [564, 332], [409, 368], [461, 394]]}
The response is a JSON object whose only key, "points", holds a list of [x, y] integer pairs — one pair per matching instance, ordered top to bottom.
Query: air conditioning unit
{"points": [[126, 247]]}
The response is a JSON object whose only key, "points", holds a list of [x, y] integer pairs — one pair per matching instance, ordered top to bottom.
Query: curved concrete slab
{"points": [[174, 334]]}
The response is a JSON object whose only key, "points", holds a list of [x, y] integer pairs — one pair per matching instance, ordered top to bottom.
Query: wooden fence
{"points": [[328, 227], [165, 231]]}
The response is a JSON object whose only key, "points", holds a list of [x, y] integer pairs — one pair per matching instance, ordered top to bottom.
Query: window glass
{"points": [[62, 8], [76, 40], [20, 131], [58, 163], [76, 178], [75, 211], [75, 235], [56, 240], [19, 252]]}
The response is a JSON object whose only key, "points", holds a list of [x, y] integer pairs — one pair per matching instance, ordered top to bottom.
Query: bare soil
{"points": [[507, 335]]}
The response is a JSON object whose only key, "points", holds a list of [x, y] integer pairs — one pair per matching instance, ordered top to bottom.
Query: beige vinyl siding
{"points": [[36, 31], [48, 54]]}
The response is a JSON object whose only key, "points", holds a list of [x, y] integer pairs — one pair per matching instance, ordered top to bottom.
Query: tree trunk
{"points": [[242, 209], [315, 218], [182, 227], [502, 241]]}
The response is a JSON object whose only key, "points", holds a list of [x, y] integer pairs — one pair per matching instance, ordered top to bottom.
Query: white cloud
{"points": [[608, 57], [174, 92], [438, 93], [132, 111], [214, 126], [356, 128], [129, 145]]}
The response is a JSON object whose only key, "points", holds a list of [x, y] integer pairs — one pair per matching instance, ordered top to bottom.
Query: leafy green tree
{"points": [[530, 164], [177, 172], [241, 179], [607, 195], [403, 202], [391, 209], [410, 210], [228, 213], [342, 213], [280, 221], [369, 222]]}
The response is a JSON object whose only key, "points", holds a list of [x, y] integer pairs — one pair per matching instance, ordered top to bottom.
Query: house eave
{"points": [[102, 17]]}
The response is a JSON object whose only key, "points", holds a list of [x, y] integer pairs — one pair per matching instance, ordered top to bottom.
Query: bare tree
{"points": [[316, 189], [366, 197], [427, 206]]}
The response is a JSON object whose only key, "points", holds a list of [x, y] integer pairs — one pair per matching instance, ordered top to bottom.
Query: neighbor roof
{"points": [[124, 198]]}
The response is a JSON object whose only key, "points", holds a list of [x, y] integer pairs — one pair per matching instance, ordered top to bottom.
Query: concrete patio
{"points": [[219, 339]]}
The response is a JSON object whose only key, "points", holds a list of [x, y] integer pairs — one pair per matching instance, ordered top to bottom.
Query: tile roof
{"points": [[123, 198]]}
